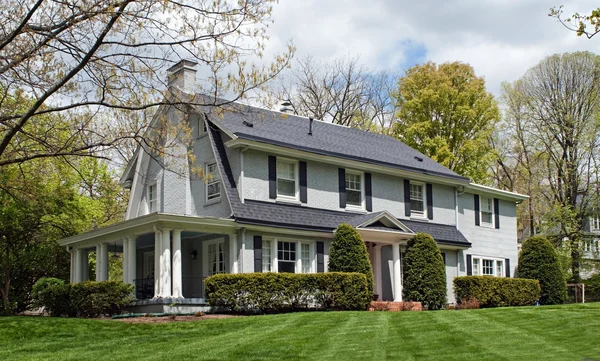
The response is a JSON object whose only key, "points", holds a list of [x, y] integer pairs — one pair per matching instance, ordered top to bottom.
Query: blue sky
{"points": [[501, 39]]}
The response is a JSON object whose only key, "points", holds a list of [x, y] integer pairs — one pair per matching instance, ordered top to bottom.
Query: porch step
{"points": [[395, 306]]}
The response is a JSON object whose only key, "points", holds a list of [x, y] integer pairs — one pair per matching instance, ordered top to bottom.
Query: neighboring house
{"points": [[279, 186], [591, 246]]}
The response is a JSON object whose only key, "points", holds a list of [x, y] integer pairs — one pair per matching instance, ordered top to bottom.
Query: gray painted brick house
{"points": [[279, 186]]}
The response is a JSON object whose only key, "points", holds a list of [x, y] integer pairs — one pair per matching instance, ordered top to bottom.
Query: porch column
{"points": [[298, 257], [125, 260], [132, 260], [104, 261], [233, 261], [274, 263], [98, 264], [78, 266], [157, 266], [377, 270], [165, 272], [177, 274], [397, 279]]}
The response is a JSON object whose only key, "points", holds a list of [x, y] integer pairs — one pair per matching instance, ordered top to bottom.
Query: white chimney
{"points": [[183, 76]]}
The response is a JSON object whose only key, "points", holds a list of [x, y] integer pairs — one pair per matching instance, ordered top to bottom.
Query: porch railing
{"points": [[193, 286], [144, 288]]}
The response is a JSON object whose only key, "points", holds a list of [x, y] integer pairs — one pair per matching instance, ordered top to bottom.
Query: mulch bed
{"points": [[166, 319]]}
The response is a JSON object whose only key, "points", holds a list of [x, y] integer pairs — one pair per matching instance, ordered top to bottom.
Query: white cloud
{"points": [[501, 39]]}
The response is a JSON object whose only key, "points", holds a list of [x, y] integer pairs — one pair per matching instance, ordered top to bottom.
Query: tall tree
{"points": [[100, 64], [341, 91], [553, 110], [446, 113]]}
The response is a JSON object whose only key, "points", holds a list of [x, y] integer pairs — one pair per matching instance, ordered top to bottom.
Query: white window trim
{"points": [[202, 130], [424, 191], [284, 198], [363, 198], [216, 199], [150, 201], [492, 218], [592, 219], [205, 245], [495, 259], [298, 263]]}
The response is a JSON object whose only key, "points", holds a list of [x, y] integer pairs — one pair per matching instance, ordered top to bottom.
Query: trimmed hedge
{"points": [[348, 253], [538, 260], [424, 273], [497, 291], [280, 292], [86, 299]]}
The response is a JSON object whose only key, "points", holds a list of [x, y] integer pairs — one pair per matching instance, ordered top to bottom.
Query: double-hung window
{"points": [[213, 182], [287, 182], [354, 194], [152, 198], [417, 200], [487, 211], [595, 223], [267, 254], [286, 257], [305, 257], [488, 267]]}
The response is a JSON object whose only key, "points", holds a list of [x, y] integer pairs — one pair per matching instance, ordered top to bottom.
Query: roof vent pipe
{"points": [[310, 122]]}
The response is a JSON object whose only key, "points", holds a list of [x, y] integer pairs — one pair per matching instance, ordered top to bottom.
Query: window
{"points": [[201, 127], [286, 179], [213, 183], [353, 190], [152, 199], [417, 200], [487, 210], [595, 223], [266, 255], [286, 257], [305, 257], [216, 262], [488, 267]]}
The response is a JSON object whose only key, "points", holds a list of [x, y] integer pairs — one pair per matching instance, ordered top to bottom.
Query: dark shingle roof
{"points": [[328, 139], [442, 233]]}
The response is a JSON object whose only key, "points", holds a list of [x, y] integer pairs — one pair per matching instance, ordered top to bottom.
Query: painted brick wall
{"points": [[491, 242]]}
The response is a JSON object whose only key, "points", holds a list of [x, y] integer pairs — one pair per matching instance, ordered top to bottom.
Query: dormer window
{"points": [[287, 182], [152, 198]]}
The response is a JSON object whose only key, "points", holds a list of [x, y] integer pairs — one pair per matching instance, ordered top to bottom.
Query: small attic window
{"points": [[420, 159]]}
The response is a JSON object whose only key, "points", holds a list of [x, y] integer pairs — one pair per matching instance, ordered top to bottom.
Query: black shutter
{"points": [[272, 177], [303, 182], [342, 186], [368, 192], [407, 197], [429, 201], [476, 206], [497, 213], [257, 253], [320, 257], [469, 265], [507, 267]]}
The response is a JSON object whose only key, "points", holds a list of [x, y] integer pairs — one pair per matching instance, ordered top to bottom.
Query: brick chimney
{"points": [[183, 76]]}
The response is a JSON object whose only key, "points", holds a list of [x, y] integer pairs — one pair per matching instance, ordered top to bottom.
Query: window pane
{"points": [[286, 170], [353, 181], [286, 187], [214, 190], [353, 198], [417, 204], [486, 217], [266, 256], [305, 256], [475, 266], [286, 267], [488, 267], [499, 268]]}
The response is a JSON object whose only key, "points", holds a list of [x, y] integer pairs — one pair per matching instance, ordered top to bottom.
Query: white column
{"points": [[298, 257], [125, 260], [132, 261], [233, 261], [104, 262], [98, 264], [274, 265], [157, 266], [78, 267], [377, 271], [165, 272], [177, 274], [397, 279]]}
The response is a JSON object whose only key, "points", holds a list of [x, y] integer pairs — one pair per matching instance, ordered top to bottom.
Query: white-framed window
{"points": [[201, 127], [287, 179], [213, 183], [354, 190], [152, 198], [417, 200], [486, 207], [595, 223], [267, 255], [286, 257], [214, 258], [305, 258], [488, 267]]}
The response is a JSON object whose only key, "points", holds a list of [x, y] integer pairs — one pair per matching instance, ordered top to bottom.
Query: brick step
{"points": [[395, 306]]}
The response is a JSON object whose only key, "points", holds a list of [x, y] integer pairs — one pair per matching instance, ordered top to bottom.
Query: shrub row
{"points": [[497, 291], [280, 292], [86, 299]]}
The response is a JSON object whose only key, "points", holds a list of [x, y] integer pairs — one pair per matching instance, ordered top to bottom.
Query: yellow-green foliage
{"points": [[497, 291]]}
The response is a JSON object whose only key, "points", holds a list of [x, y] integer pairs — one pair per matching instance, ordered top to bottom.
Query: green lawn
{"points": [[528, 333]]}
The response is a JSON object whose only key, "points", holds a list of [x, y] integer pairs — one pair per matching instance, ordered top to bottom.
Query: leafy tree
{"points": [[581, 24], [446, 113], [553, 143], [348, 253], [538, 260], [424, 273]]}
